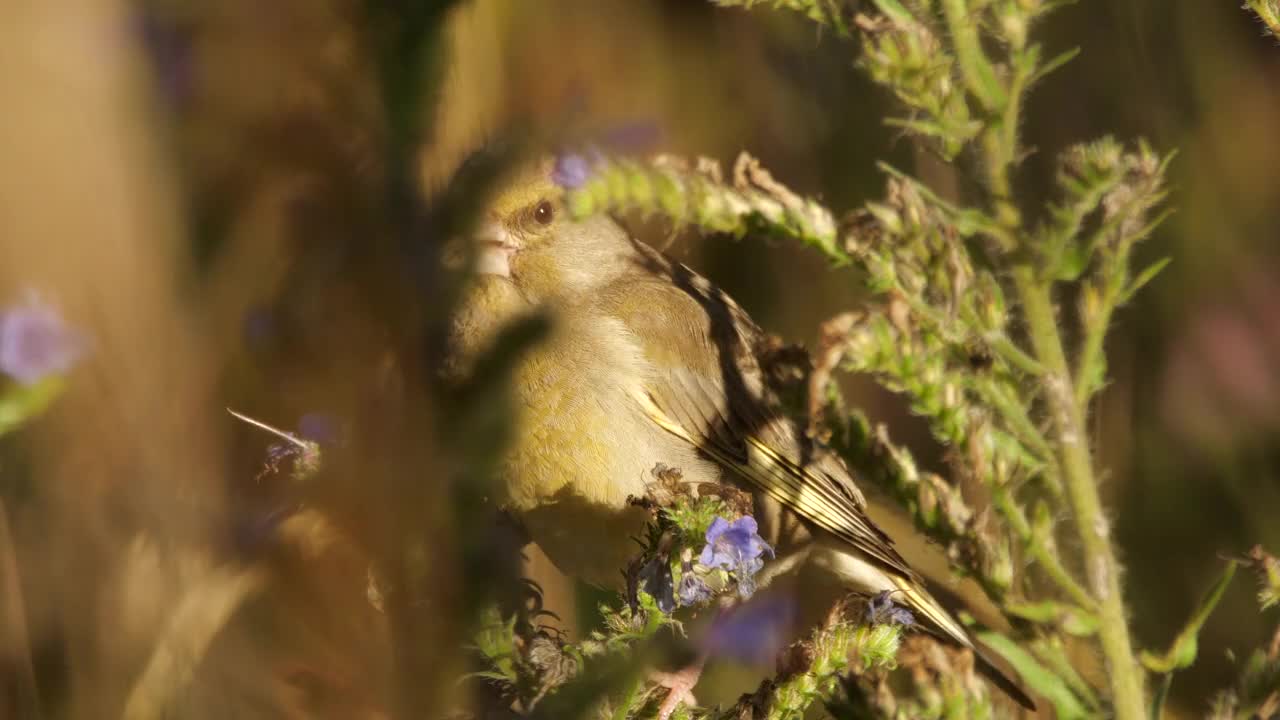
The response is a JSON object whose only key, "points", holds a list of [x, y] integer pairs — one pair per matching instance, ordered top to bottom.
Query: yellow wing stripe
{"points": [[804, 495], [830, 495], [795, 498], [813, 499], [920, 601]]}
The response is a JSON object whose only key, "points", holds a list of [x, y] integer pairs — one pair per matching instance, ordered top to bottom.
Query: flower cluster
{"points": [[736, 547], [731, 555]]}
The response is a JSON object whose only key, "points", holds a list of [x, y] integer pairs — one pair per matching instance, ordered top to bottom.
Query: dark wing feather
{"points": [[708, 388]]}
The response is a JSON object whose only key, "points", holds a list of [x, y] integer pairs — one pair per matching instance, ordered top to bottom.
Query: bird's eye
{"points": [[544, 213]]}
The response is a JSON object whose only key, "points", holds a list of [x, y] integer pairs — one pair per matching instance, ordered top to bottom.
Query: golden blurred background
{"points": [[195, 183]]}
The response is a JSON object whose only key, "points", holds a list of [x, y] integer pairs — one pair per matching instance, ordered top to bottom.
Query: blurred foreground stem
{"points": [[21, 694]]}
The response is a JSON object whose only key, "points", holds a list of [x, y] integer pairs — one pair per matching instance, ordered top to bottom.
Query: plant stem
{"points": [[1268, 11], [979, 75], [1000, 150], [1012, 354], [1087, 367], [998, 396], [1049, 561], [1102, 568], [15, 650], [628, 700]]}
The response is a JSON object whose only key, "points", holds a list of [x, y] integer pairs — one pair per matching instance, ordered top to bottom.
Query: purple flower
{"points": [[572, 171], [35, 342], [734, 546], [693, 589], [882, 610], [754, 632]]}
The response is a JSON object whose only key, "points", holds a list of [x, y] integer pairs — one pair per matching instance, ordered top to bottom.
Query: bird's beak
{"points": [[496, 246]]}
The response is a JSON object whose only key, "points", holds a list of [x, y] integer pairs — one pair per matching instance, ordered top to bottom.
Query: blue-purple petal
{"points": [[571, 171], [35, 343], [736, 547], [692, 590], [754, 632]]}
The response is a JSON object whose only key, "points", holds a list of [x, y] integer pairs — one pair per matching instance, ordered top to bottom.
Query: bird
{"points": [[647, 363]]}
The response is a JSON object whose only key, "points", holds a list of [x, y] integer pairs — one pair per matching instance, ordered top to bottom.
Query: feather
{"points": [[706, 388]]}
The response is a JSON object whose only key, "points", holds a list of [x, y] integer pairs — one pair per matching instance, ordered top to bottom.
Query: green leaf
{"points": [[1053, 64], [1073, 263], [1143, 278], [20, 403], [1041, 612], [1071, 620], [1051, 652], [1182, 653], [1036, 676]]}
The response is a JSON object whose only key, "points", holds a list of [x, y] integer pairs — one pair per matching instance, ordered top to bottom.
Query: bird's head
{"points": [[527, 236]]}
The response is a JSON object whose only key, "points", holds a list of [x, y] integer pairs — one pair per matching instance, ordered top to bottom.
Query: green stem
{"points": [[1268, 11], [979, 75], [1000, 149], [1091, 350], [1012, 354], [1088, 364], [997, 395], [1049, 561], [1102, 568], [1162, 693], [623, 710]]}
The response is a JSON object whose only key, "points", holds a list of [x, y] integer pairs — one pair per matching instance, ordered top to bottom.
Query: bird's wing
{"points": [[707, 388]]}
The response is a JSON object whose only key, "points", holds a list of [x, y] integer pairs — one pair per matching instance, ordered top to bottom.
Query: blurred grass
{"points": [[201, 191]]}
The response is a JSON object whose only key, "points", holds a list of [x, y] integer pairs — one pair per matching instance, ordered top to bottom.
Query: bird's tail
{"points": [[940, 623]]}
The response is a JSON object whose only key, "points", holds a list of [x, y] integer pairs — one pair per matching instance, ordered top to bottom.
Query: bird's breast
{"points": [[584, 449]]}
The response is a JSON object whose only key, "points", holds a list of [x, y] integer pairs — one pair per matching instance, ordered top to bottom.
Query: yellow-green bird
{"points": [[650, 363]]}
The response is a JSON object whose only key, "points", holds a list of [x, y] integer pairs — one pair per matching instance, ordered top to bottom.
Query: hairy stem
{"points": [[1268, 11], [979, 75], [1000, 150], [1087, 365], [1048, 560], [1102, 568]]}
